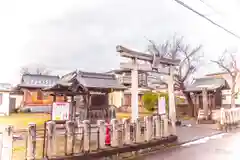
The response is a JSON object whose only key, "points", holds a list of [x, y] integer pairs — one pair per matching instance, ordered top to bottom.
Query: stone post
{"points": [[205, 102], [222, 118], [238, 118], [162, 126], [165, 126], [157, 127], [148, 128], [70, 130], [102, 130], [138, 130], [127, 131], [86, 135], [114, 137], [51, 138], [7, 143], [31, 146]]}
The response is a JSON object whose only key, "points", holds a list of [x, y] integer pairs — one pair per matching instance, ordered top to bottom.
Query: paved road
{"points": [[226, 147]]}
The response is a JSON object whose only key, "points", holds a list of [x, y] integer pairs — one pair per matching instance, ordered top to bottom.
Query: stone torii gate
{"points": [[156, 64]]}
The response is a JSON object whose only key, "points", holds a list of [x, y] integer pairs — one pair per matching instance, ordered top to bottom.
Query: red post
{"points": [[108, 135]]}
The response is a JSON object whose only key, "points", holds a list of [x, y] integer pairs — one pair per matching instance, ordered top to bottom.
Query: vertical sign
{"points": [[161, 105], [60, 111]]}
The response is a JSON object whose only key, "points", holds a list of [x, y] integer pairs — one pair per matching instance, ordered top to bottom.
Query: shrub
{"points": [[150, 101]]}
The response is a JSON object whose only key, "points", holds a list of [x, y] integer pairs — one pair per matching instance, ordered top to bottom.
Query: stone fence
{"points": [[229, 118], [80, 137]]}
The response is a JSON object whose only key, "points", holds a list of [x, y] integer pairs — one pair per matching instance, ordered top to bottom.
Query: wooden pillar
{"points": [[213, 100], [205, 102], [197, 103], [194, 105], [73, 108]]}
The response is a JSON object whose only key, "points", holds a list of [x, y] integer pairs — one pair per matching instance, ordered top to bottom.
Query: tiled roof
{"points": [[92, 80], [98, 80], [38, 81], [208, 82]]}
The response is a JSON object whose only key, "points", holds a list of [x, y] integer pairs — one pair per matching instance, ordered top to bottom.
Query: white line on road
{"points": [[204, 140]]}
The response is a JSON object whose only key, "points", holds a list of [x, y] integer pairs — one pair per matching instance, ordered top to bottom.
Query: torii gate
{"points": [[154, 64]]}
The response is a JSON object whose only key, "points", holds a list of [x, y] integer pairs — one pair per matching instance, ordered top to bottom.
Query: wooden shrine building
{"points": [[88, 92], [206, 92]]}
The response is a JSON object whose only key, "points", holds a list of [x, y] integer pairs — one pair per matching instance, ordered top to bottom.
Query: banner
{"points": [[161, 105], [60, 111]]}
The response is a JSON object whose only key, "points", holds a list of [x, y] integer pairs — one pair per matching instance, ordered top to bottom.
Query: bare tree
{"points": [[190, 60], [227, 62], [35, 69]]}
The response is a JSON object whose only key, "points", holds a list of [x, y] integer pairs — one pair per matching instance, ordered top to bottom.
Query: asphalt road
{"points": [[226, 147]]}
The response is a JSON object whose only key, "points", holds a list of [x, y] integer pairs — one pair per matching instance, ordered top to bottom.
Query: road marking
{"points": [[204, 140]]}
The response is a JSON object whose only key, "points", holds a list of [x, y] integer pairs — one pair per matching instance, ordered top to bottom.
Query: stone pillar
{"points": [[134, 90], [205, 102], [172, 103], [222, 117], [157, 127], [165, 127], [148, 128], [102, 130], [138, 130], [70, 131], [127, 132], [86, 136], [114, 137], [51, 138], [7, 143], [31, 147]]}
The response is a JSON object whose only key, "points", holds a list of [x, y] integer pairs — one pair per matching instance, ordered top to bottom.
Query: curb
{"points": [[175, 145]]}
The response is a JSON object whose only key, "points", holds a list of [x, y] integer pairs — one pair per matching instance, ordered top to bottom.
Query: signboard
{"points": [[161, 105], [60, 111]]}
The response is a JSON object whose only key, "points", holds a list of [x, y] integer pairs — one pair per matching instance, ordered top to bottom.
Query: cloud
{"points": [[75, 34]]}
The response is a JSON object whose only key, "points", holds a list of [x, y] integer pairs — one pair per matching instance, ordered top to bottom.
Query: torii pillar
{"points": [[134, 90], [171, 99]]}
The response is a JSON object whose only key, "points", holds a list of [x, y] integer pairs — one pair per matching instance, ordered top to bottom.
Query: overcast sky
{"points": [[69, 34]]}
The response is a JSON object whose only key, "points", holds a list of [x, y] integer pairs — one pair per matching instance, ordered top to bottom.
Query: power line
{"points": [[210, 6], [206, 18]]}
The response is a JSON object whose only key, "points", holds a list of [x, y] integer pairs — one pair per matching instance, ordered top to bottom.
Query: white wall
{"points": [[226, 97], [116, 98], [19, 99], [4, 107]]}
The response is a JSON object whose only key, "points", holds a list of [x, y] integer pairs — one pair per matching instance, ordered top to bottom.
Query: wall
{"points": [[226, 94], [31, 98], [116, 98], [226, 98], [19, 99], [4, 105]]}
